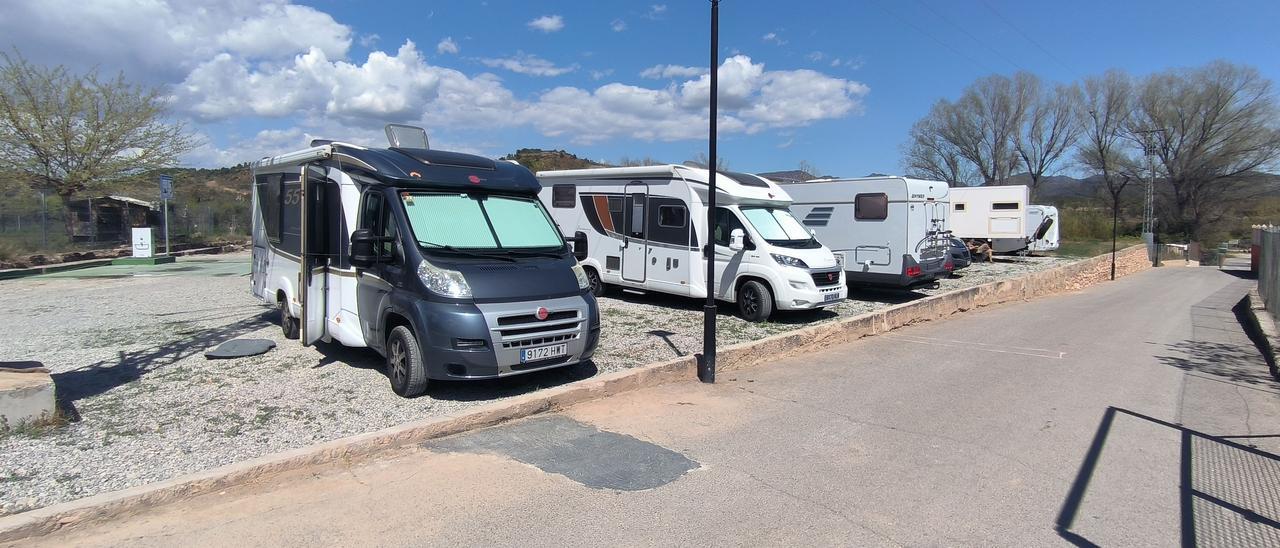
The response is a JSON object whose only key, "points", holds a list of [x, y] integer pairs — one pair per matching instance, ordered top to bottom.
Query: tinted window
{"points": [[564, 196], [269, 204], [1005, 206], [871, 207], [959, 207], [291, 214], [672, 216], [635, 222], [726, 223]]}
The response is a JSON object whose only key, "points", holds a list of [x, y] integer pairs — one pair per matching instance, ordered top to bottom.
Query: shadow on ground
{"points": [[1229, 493]]}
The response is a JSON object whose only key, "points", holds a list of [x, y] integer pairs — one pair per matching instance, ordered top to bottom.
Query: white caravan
{"points": [[989, 212], [645, 228], [888, 231], [1042, 232]]}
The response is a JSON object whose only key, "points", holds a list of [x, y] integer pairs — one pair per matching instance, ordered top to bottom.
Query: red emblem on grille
{"points": [[474, 180], [831, 276], [541, 313]]}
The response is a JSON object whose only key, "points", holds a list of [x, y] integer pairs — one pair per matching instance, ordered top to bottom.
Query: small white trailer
{"points": [[989, 212], [889, 231], [1042, 233]]}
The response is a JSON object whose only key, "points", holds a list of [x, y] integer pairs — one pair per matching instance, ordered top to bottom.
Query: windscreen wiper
{"points": [[469, 253], [522, 253]]}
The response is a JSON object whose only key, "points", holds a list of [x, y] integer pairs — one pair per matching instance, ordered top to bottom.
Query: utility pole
{"points": [[1149, 204], [707, 365]]}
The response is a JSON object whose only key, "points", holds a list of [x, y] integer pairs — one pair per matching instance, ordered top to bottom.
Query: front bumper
{"points": [[802, 293], [484, 340]]}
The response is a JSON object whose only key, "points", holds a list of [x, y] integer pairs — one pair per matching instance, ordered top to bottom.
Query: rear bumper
{"points": [[484, 341]]}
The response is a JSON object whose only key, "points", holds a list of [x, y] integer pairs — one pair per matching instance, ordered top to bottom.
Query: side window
{"points": [[268, 187], [565, 196], [1006, 206], [871, 207], [959, 207], [371, 211], [291, 213], [672, 216], [726, 223], [635, 224], [389, 234]]}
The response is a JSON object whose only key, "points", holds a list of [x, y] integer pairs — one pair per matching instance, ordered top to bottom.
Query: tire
{"points": [[595, 284], [755, 302], [288, 324], [405, 368]]}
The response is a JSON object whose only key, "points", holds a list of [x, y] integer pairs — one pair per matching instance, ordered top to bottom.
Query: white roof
{"points": [[757, 190]]}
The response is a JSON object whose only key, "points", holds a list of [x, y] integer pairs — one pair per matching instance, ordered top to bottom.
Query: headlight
{"points": [[787, 260], [441, 281], [583, 281]]}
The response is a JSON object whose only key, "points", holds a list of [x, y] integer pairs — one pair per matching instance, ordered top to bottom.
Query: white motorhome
{"points": [[989, 212], [645, 228], [889, 231], [1042, 232], [444, 263]]}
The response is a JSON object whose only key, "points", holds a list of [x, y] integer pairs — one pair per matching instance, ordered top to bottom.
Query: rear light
{"points": [[949, 266], [913, 271]]}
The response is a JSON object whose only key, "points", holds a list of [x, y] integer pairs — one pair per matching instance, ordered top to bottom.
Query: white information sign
{"points": [[143, 246]]}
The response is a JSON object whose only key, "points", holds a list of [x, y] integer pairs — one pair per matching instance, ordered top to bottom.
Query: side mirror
{"points": [[735, 240], [579, 245], [364, 250]]}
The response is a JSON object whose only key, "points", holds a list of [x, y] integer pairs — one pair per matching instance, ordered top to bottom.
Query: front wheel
{"points": [[755, 302], [405, 368]]}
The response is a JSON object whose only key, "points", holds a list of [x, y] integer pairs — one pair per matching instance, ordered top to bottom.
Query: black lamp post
{"points": [[707, 365]]}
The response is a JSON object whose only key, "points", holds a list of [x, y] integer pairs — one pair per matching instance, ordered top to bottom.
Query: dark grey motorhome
{"points": [[444, 263]]}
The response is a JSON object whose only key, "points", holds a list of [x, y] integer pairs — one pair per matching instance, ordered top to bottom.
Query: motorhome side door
{"points": [[635, 220], [315, 260], [374, 284]]}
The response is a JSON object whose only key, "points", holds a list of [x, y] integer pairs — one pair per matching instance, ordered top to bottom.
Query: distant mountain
{"points": [[539, 160]]}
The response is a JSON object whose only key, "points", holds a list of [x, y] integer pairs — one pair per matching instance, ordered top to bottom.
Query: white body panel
{"points": [[989, 212], [873, 249], [669, 258]]}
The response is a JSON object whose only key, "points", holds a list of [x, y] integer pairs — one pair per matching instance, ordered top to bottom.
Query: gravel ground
{"points": [[125, 345]]}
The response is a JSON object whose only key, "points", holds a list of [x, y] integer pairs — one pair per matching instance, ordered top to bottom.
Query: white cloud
{"points": [[656, 11], [547, 23], [618, 25], [774, 38], [369, 40], [447, 46], [814, 56], [524, 63], [671, 71], [601, 74]]}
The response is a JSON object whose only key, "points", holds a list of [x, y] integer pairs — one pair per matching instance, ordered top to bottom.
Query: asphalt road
{"points": [[1136, 413]]}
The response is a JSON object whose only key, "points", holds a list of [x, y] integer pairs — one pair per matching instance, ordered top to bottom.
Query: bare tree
{"points": [[1049, 127], [980, 128], [1216, 129], [65, 133], [1104, 144], [927, 155], [722, 164], [808, 167]]}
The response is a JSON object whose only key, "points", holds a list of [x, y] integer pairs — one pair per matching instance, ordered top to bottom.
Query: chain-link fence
{"points": [[47, 225], [1268, 242]]}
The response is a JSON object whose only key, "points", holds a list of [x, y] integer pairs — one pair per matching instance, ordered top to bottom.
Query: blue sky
{"points": [[836, 84]]}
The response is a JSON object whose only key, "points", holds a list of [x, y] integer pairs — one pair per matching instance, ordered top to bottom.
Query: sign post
{"points": [[166, 194]]}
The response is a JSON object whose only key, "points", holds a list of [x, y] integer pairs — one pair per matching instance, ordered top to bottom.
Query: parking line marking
{"points": [[1033, 352]]}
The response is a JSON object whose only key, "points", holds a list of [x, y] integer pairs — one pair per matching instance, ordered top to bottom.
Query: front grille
{"points": [[822, 279], [540, 341]]}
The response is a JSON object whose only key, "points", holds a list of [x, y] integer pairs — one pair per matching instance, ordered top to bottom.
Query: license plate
{"points": [[830, 297], [543, 353]]}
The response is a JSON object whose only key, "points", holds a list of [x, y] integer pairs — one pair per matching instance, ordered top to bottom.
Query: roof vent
{"points": [[402, 136]]}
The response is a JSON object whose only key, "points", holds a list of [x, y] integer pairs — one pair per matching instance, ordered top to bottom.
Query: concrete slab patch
{"points": [[559, 445]]}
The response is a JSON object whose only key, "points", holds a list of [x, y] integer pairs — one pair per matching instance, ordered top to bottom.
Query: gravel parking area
{"points": [[125, 345]]}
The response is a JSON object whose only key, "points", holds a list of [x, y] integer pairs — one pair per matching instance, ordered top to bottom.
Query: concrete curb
{"points": [[16, 273], [1070, 277]]}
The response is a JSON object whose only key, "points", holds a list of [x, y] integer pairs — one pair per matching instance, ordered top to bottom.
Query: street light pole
{"points": [[707, 365]]}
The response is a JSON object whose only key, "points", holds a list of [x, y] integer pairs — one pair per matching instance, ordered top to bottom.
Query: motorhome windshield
{"points": [[478, 221], [778, 227]]}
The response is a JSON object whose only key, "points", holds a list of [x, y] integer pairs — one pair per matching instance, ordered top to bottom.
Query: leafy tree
{"points": [[66, 133]]}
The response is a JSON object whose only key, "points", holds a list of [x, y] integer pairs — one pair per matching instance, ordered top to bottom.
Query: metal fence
{"points": [[1267, 241]]}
